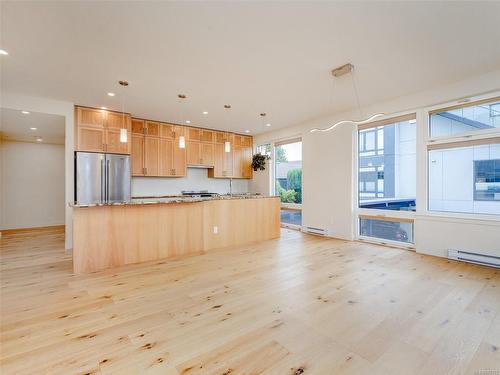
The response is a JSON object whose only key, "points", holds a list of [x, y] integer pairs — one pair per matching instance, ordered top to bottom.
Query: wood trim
{"points": [[465, 105], [388, 121], [466, 143], [387, 218], [34, 229]]}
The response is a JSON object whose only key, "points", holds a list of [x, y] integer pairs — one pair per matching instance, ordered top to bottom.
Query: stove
{"points": [[198, 193]]}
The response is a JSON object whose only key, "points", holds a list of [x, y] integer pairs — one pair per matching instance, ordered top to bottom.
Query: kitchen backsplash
{"points": [[196, 179]]}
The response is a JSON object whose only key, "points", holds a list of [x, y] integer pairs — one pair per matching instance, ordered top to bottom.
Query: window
{"points": [[472, 117], [264, 149], [387, 164], [465, 176], [288, 180], [392, 229]]}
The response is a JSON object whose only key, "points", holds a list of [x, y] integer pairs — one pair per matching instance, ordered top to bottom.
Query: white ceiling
{"points": [[272, 57], [15, 126]]}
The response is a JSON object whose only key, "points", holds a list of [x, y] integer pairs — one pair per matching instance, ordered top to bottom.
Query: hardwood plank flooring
{"points": [[296, 305]]}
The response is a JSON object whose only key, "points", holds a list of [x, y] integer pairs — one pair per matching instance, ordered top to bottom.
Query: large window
{"points": [[457, 120], [387, 164], [464, 167], [465, 177], [288, 180]]}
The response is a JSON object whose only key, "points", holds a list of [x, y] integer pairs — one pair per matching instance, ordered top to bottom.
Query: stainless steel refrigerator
{"points": [[101, 178]]}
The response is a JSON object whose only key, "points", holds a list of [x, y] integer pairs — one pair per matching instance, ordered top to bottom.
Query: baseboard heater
{"points": [[312, 230], [476, 258]]}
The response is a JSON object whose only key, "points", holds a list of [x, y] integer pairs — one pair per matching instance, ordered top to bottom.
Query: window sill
{"points": [[460, 217]]}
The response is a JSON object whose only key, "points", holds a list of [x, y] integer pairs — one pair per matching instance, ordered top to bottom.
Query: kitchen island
{"points": [[112, 235]]}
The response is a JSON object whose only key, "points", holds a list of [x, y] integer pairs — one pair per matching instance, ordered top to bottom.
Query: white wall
{"points": [[328, 171], [196, 179], [32, 191]]}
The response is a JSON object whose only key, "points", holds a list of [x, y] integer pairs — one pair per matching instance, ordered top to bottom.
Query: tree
{"points": [[280, 155], [294, 179]]}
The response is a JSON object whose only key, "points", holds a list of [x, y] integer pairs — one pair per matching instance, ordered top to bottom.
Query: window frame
{"points": [[452, 141], [378, 213]]}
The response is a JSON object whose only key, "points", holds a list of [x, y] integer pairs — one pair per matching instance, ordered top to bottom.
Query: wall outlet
{"points": [[216, 230]]}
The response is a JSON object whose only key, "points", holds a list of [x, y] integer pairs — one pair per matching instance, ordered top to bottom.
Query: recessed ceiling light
{"points": [[3, 52], [111, 94], [104, 107], [25, 112], [205, 112], [188, 122], [268, 125], [32, 128], [247, 131], [39, 139]]}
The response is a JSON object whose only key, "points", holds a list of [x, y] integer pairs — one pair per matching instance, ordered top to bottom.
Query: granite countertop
{"points": [[167, 199]]}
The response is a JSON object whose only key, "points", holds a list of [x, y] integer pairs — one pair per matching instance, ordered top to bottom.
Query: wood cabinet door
{"points": [[90, 117], [115, 120], [137, 126], [152, 128], [166, 130], [179, 131], [193, 134], [207, 135], [91, 139], [113, 144], [193, 153], [166, 154], [207, 154], [137, 155], [151, 155], [179, 160], [237, 162], [218, 170], [247, 171]]}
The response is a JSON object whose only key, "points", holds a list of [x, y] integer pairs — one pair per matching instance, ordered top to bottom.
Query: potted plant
{"points": [[259, 162]]}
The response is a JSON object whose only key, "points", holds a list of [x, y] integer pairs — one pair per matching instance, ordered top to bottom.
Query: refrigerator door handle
{"points": [[107, 181], [103, 182]]}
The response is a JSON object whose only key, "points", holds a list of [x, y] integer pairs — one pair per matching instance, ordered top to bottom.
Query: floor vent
{"points": [[312, 230], [466, 256]]}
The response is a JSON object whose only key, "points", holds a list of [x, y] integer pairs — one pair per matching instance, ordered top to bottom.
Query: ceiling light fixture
{"points": [[3, 52], [338, 72], [111, 94], [104, 108], [25, 112], [205, 112], [188, 122], [268, 125], [33, 128], [123, 130], [247, 131], [39, 139], [182, 139], [227, 144]]}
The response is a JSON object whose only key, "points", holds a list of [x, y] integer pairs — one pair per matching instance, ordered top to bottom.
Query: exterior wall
{"points": [[32, 191]]}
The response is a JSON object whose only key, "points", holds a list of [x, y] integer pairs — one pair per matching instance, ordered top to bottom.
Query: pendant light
{"points": [[338, 72], [123, 130], [182, 139], [227, 144]]}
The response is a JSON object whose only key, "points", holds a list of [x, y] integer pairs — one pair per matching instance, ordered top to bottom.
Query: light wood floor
{"points": [[297, 305]]}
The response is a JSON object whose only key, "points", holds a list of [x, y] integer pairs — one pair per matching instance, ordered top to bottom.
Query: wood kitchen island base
{"points": [[112, 236]]}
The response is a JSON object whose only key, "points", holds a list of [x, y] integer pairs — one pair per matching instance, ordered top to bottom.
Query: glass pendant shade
{"points": [[123, 136], [182, 142], [227, 146]]}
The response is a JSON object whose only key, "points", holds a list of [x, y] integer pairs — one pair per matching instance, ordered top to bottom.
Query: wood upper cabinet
{"points": [[137, 126], [152, 128], [97, 130], [166, 130], [207, 135], [193, 151], [166, 152], [137, 154], [200, 154], [207, 154], [151, 156], [242, 156], [223, 163]]}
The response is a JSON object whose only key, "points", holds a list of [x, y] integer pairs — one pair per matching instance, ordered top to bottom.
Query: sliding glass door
{"points": [[288, 180]]}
